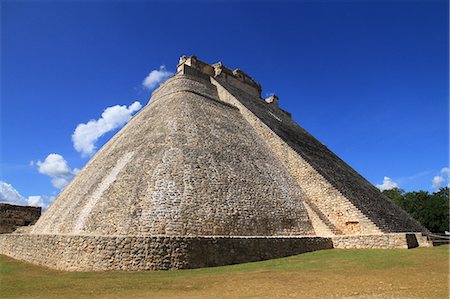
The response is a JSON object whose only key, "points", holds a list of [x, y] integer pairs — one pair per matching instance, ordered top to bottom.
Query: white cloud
{"points": [[156, 77], [86, 134], [56, 167], [445, 170], [441, 179], [437, 182], [59, 183], [387, 184], [8, 194], [35, 200], [42, 201]]}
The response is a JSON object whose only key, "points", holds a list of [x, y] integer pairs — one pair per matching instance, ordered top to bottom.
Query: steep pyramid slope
{"points": [[187, 164], [335, 193]]}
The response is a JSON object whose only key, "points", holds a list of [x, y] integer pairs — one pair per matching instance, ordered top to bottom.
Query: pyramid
{"points": [[209, 173]]}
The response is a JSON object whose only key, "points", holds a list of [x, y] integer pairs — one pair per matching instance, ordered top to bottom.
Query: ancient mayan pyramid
{"points": [[209, 173]]}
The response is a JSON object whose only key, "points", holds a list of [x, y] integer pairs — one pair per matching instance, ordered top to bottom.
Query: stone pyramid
{"points": [[209, 173]]}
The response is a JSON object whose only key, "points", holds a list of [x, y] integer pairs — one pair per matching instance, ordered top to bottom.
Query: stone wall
{"points": [[15, 216], [384, 241], [95, 253], [99, 253]]}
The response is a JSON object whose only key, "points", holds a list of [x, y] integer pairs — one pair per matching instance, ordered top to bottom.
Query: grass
{"points": [[415, 273]]}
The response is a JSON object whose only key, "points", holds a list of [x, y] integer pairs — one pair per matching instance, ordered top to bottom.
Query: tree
{"points": [[396, 195], [431, 210]]}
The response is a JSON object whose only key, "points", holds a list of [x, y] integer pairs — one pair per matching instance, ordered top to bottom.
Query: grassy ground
{"points": [[415, 273]]}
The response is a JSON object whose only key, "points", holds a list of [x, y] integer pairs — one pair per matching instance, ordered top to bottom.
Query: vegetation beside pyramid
{"points": [[209, 157]]}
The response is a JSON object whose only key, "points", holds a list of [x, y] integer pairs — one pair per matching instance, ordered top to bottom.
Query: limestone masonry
{"points": [[209, 173], [15, 216]]}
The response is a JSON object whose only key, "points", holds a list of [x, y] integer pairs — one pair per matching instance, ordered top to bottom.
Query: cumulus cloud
{"points": [[156, 77], [86, 134], [56, 167], [445, 170], [441, 179], [437, 182], [60, 183], [387, 184], [8, 194], [35, 200], [42, 201]]}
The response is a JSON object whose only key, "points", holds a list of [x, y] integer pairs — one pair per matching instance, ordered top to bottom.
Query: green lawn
{"points": [[415, 273]]}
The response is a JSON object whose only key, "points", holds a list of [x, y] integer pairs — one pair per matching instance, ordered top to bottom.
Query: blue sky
{"points": [[368, 79]]}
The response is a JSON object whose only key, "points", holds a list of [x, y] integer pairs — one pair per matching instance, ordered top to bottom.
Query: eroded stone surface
{"points": [[197, 168], [200, 171], [347, 202], [13, 217], [382, 241], [99, 253]]}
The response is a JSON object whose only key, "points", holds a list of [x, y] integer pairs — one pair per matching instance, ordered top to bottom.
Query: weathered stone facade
{"points": [[209, 162], [187, 164], [337, 194], [15, 216], [381, 241], [98, 253]]}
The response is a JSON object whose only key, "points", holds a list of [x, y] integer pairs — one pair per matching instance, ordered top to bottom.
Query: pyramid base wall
{"points": [[382, 241], [99, 253]]}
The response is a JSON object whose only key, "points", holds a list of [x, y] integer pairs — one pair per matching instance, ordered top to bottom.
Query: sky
{"points": [[368, 79]]}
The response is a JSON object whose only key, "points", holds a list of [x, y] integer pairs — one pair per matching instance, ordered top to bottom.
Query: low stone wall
{"points": [[384, 241], [98, 253]]}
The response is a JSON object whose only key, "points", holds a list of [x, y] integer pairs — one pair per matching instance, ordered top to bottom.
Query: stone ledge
{"points": [[381, 241], [100, 253]]}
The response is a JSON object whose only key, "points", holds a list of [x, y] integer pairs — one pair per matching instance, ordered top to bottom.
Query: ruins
{"points": [[209, 173], [13, 217]]}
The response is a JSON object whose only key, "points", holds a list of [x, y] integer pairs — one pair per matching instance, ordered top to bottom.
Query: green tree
{"points": [[396, 195], [431, 210], [436, 211]]}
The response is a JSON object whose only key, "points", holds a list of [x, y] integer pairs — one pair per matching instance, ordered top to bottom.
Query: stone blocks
{"points": [[14, 216], [383, 241], [99, 253]]}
